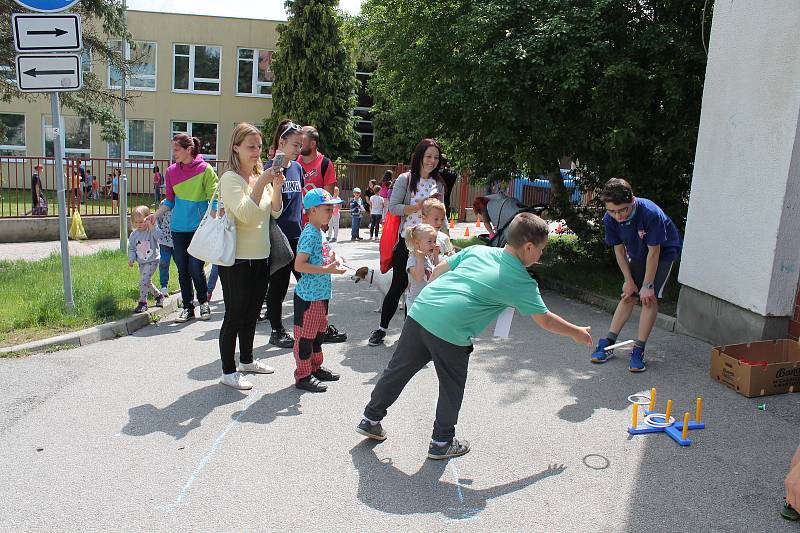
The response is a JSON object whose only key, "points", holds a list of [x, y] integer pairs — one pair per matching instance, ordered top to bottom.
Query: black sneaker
{"points": [[160, 301], [141, 308], [205, 311], [186, 315], [333, 335], [280, 338], [376, 339], [324, 374], [311, 384], [373, 431], [449, 450]]}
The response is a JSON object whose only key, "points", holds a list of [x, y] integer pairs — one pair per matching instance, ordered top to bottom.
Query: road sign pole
{"points": [[58, 145]]}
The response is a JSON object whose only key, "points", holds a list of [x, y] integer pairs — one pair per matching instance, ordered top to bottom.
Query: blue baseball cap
{"points": [[318, 196]]}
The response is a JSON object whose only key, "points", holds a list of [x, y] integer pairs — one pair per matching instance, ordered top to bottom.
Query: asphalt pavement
{"points": [[137, 434]]}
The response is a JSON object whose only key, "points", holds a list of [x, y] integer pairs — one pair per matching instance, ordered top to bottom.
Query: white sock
{"points": [[382, 329], [372, 422], [439, 443]]}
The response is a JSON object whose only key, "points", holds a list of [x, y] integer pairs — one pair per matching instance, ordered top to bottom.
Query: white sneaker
{"points": [[165, 291], [257, 367], [236, 381]]}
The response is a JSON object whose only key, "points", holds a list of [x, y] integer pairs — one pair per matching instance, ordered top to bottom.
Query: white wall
{"points": [[743, 228]]}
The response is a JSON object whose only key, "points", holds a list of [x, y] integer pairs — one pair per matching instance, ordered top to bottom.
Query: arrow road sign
{"points": [[47, 6], [47, 33], [48, 73]]}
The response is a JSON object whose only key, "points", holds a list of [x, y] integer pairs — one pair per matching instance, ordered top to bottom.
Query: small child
{"points": [[376, 209], [356, 210], [434, 213], [164, 224], [333, 227], [421, 243], [646, 244], [143, 249], [316, 262], [475, 285]]}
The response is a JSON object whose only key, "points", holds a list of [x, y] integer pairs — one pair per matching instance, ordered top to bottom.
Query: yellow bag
{"points": [[76, 231]]}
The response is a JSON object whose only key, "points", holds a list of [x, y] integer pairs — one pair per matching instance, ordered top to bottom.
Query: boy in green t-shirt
{"points": [[475, 286]]}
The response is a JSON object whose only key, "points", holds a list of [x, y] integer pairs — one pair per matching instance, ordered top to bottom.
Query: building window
{"points": [[196, 68], [143, 75], [254, 75], [206, 132], [14, 133], [77, 136], [140, 140]]}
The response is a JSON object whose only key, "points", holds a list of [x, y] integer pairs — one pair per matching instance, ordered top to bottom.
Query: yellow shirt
{"points": [[252, 221]]}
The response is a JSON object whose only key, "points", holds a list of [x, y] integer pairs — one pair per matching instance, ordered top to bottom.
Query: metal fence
{"points": [[93, 196]]}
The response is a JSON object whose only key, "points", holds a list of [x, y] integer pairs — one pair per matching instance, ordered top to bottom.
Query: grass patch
{"points": [[16, 202], [594, 269], [32, 295]]}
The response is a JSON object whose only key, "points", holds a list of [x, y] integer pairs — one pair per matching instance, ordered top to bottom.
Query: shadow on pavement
{"points": [[284, 402], [182, 416], [385, 488]]}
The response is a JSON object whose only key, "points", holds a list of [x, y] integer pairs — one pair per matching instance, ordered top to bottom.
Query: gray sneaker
{"points": [[205, 311], [186, 315], [373, 431], [449, 450]]}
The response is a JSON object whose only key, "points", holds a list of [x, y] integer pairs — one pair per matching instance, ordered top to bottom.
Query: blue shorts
{"points": [[662, 275]]}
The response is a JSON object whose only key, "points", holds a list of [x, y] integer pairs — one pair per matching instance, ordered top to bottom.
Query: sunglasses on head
{"points": [[290, 127]]}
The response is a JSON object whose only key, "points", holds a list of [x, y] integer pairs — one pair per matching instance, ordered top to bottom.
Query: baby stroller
{"points": [[501, 210]]}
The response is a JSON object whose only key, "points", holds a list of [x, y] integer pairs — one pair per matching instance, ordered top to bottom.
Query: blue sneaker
{"points": [[600, 355], [637, 360]]}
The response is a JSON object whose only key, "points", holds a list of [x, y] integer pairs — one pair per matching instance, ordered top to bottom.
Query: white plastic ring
{"points": [[639, 399], [653, 424]]}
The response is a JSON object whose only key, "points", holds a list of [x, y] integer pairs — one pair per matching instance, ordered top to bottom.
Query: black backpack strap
{"points": [[323, 168]]}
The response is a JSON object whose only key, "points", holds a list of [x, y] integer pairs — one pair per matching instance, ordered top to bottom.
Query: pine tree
{"points": [[315, 80], [98, 103]]}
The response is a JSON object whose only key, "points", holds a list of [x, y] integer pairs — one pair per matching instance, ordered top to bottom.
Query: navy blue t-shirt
{"points": [[292, 194], [648, 226]]}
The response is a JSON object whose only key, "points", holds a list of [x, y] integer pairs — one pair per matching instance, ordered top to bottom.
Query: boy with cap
{"points": [[356, 210], [316, 261]]}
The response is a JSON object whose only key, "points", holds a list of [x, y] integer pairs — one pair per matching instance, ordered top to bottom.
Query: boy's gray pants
{"points": [[416, 347]]}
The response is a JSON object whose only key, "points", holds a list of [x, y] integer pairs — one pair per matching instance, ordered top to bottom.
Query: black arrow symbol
{"points": [[58, 32], [33, 72]]}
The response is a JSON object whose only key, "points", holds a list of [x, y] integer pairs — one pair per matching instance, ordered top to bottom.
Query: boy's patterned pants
{"points": [[146, 271], [310, 324]]}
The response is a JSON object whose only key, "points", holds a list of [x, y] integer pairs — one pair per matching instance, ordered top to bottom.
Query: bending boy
{"points": [[646, 244], [475, 285]]}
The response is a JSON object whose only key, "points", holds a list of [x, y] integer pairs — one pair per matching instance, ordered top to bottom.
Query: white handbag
{"points": [[214, 240]]}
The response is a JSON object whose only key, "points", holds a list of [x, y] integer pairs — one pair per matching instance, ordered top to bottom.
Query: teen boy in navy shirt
{"points": [[646, 244]]}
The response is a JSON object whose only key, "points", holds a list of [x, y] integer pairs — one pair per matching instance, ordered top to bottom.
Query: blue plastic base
{"points": [[674, 431]]}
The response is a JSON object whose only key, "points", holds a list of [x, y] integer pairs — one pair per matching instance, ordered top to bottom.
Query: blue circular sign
{"points": [[47, 6]]}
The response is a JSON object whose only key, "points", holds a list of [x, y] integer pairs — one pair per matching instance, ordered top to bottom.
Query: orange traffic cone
{"points": [[478, 222], [452, 223], [466, 232]]}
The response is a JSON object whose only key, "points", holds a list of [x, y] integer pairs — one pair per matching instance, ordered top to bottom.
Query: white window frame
{"points": [[127, 55], [86, 65], [192, 79], [254, 83], [189, 123], [15, 147], [68, 152], [151, 154]]}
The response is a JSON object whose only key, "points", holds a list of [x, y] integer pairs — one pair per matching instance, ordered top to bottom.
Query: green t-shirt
{"points": [[481, 283]]}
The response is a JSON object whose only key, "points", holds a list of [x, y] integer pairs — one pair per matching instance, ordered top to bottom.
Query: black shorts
{"points": [[115, 196], [662, 275]]}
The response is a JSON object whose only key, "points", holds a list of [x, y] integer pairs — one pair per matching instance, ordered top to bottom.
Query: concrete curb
{"points": [[665, 322], [102, 332]]}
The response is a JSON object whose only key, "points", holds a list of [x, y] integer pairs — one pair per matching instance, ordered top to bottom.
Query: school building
{"points": [[200, 74]]}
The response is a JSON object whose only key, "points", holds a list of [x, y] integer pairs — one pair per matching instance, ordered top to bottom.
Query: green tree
{"points": [[101, 19], [315, 80], [515, 85]]}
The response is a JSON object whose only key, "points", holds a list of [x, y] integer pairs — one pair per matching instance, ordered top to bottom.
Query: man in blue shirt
{"points": [[646, 244]]}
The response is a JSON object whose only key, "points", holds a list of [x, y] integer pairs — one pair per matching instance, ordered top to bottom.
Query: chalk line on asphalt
{"points": [[213, 450], [466, 513]]}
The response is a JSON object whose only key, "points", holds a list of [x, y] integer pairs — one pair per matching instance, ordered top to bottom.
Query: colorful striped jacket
{"points": [[189, 189]]}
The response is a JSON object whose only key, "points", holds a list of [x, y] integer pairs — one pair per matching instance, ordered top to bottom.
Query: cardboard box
{"points": [[758, 368]]}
